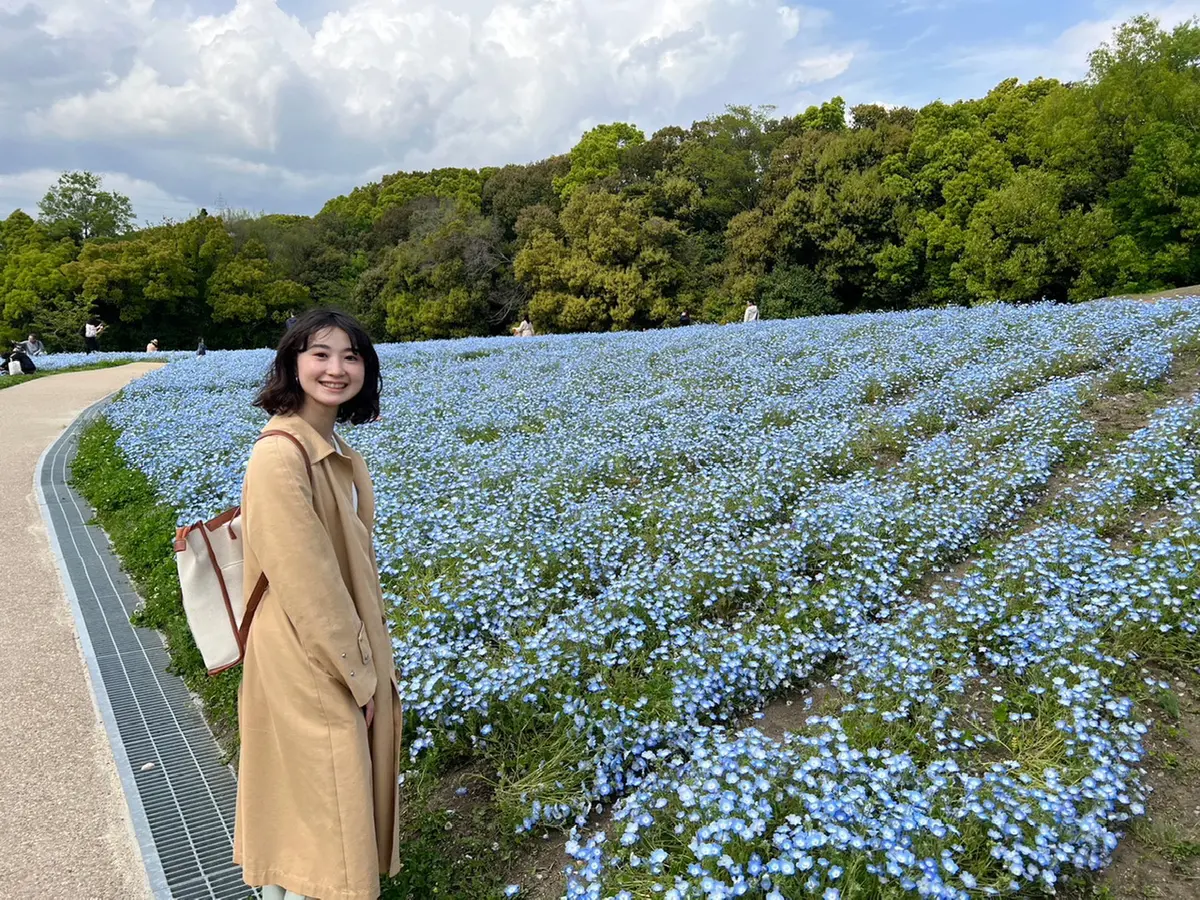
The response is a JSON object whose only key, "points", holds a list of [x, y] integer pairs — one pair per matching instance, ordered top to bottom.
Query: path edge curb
{"points": [[152, 865]]}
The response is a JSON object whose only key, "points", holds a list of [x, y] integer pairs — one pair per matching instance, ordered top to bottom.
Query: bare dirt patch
{"points": [[1160, 856], [540, 869]]}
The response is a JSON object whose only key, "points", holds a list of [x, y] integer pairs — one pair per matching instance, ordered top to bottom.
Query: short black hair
{"points": [[282, 394]]}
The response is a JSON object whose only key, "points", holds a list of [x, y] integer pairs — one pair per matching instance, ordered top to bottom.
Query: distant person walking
{"points": [[751, 314], [685, 318], [291, 320], [525, 329], [91, 334], [32, 346], [152, 347], [201, 349]]}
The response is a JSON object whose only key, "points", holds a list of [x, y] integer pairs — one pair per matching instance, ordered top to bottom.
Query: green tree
{"points": [[597, 155], [725, 157], [515, 188], [77, 201], [1158, 202], [1012, 250], [615, 266], [449, 278], [246, 290], [789, 292], [34, 293]]}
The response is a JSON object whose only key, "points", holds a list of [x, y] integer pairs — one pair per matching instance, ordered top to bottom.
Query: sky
{"points": [[278, 105]]}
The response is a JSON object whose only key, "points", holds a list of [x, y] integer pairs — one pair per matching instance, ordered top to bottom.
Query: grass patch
{"points": [[8, 381]]}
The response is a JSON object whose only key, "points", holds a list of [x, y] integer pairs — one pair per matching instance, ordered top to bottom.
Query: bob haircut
{"points": [[282, 394]]}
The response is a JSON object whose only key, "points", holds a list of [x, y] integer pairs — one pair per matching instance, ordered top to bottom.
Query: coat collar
{"points": [[314, 444]]}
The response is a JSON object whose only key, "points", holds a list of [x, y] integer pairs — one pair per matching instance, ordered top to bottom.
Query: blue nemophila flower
{"points": [[602, 552]]}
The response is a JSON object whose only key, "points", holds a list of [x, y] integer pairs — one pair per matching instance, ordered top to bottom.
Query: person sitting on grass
{"points": [[32, 346], [21, 358]]}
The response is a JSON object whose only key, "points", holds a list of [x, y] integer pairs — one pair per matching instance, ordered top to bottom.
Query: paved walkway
{"points": [[65, 828]]}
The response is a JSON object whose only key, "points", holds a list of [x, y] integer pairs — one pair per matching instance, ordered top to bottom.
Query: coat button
{"points": [[343, 656], [351, 673]]}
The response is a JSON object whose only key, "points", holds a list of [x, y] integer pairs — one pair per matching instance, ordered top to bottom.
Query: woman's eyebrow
{"points": [[327, 347]]}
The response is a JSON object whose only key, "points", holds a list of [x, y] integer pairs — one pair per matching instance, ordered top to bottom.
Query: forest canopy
{"points": [[1040, 189]]}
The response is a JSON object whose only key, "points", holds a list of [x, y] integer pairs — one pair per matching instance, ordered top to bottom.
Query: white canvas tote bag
{"points": [[209, 557]]}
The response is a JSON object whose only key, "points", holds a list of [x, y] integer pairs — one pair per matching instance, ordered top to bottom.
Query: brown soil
{"points": [[792, 711], [1160, 856], [541, 869]]}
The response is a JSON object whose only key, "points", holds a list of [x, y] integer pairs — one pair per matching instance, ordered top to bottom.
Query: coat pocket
{"points": [[364, 645]]}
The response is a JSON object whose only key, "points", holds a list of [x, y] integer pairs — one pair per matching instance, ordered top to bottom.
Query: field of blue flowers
{"points": [[605, 553]]}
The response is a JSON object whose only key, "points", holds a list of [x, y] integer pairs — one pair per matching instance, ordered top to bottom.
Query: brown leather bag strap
{"points": [[295, 440], [260, 587]]}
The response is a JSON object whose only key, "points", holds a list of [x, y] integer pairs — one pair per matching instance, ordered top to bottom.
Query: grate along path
{"points": [[180, 795]]}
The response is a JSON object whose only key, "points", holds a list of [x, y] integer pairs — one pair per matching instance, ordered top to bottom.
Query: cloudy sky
{"points": [[278, 105]]}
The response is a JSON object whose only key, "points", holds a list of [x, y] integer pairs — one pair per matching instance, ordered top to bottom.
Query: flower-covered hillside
{"points": [[603, 552]]}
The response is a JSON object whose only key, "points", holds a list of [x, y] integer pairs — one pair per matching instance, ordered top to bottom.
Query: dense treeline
{"points": [[1071, 191]]}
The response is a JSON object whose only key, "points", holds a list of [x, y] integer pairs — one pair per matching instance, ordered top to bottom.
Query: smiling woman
{"points": [[325, 360], [319, 715]]}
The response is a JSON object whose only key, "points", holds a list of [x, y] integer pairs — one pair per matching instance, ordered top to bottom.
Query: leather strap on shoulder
{"points": [[295, 440], [260, 587]]}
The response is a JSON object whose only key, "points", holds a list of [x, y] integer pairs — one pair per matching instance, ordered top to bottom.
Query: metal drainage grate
{"points": [[183, 805]]}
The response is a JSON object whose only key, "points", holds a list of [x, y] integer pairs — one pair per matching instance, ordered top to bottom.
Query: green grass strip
{"points": [[8, 381]]}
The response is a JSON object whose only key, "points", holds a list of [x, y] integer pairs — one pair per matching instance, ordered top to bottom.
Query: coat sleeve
{"points": [[297, 555]]}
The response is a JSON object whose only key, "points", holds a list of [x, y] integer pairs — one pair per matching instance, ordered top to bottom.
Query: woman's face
{"points": [[330, 372]]}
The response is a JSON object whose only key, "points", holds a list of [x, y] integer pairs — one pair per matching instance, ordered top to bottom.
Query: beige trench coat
{"points": [[317, 799]]}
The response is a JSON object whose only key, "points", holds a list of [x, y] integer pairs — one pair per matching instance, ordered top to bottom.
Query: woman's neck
{"points": [[320, 417]]}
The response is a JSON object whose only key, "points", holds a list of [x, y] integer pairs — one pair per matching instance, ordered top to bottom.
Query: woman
{"points": [[318, 715]]}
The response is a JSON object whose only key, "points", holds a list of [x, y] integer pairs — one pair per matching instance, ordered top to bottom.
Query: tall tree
{"points": [[597, 155], [77, 201], [34, 292]]}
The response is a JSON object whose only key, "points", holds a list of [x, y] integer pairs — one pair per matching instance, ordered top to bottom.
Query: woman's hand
{"points": [[369, 711]]}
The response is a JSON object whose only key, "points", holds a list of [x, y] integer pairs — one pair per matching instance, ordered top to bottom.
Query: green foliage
{"points": [[597, 156], [1070, 191], [78, 203], [615, 266], [447, 278], [793, 291], [34, 292]]}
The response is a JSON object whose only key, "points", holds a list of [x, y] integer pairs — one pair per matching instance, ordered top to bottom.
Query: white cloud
{"points": [[820, 68], [413, 83]]}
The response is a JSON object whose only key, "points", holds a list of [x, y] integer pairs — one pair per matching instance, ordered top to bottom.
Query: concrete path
{"points": [[65, 829]]}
